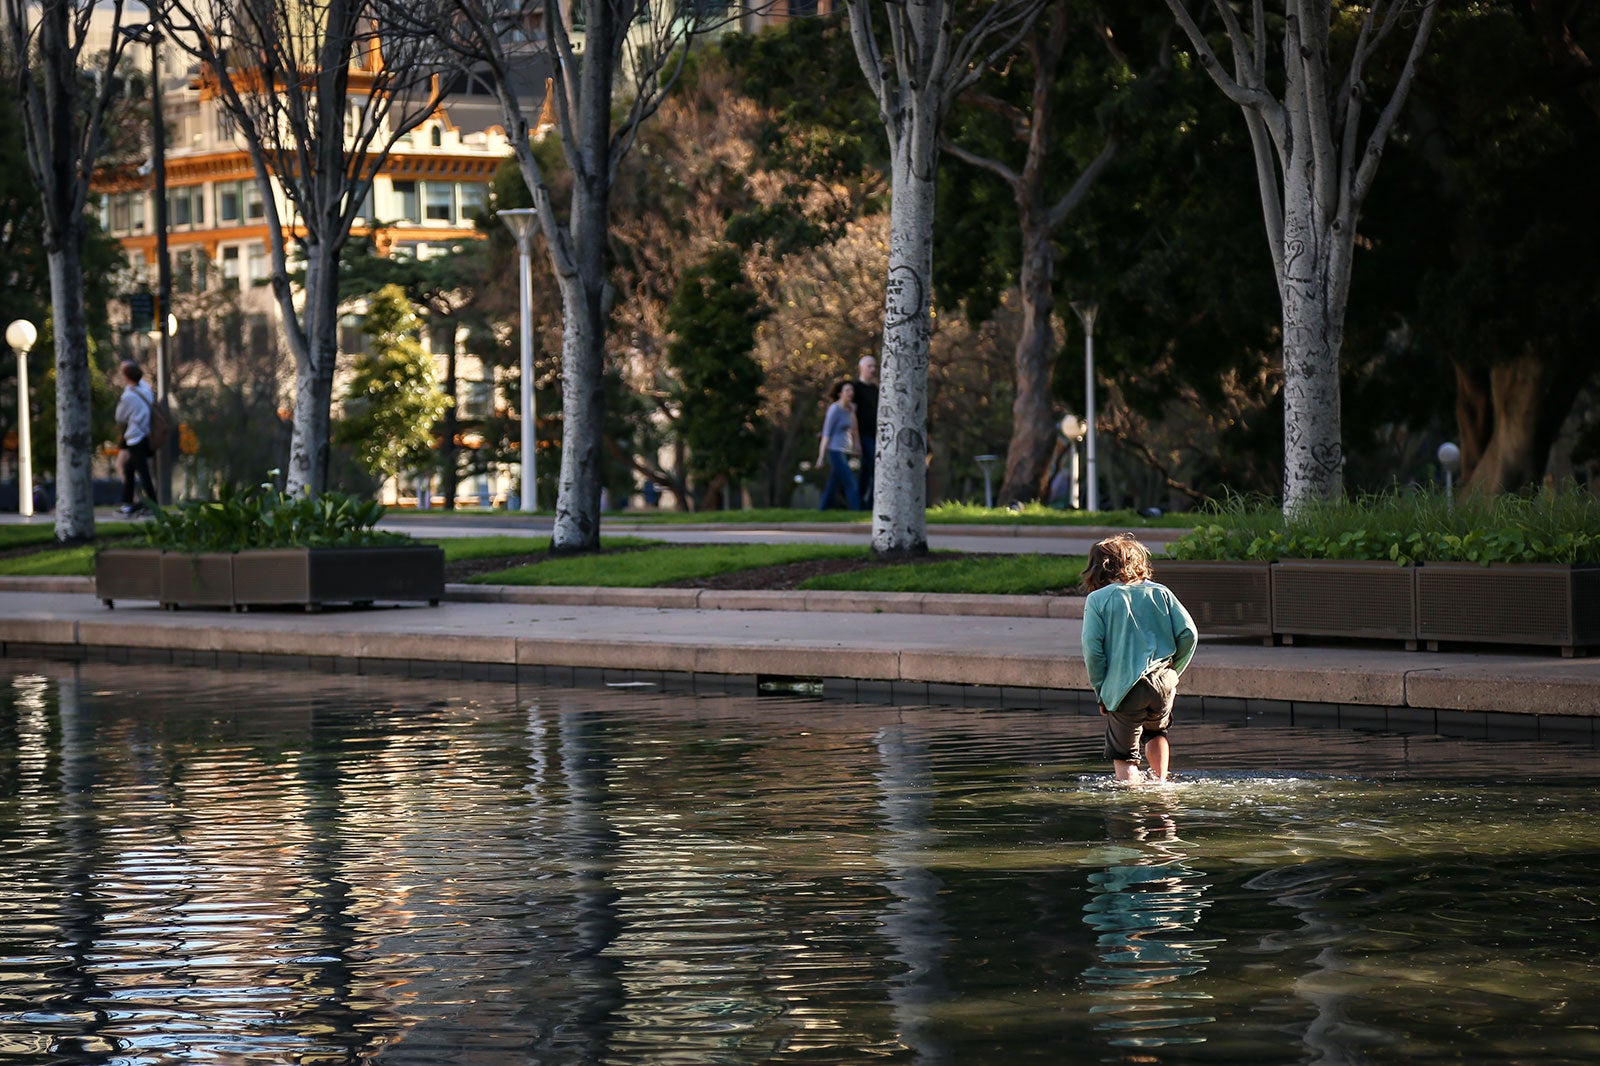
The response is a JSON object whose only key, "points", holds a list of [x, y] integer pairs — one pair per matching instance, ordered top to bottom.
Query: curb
{"points": [[680, 599]]}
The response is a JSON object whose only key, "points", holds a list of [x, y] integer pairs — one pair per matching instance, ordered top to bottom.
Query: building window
{"points": [[802, 8], [225, 125], [438, 137], [405, 193], [474, 198], [440, 199], [229, 202], [187, 206], [254, 209], [127, 212], [230, 264], [259, 264], [190, 270], [477, 399]]}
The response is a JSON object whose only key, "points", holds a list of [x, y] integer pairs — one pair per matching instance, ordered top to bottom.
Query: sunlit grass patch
{"points": [[663, 565]]}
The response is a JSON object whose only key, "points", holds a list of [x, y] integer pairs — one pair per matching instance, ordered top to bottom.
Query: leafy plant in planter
{"points": [[261, 518], [1418, 528], [263, 547], [1471, 566]]}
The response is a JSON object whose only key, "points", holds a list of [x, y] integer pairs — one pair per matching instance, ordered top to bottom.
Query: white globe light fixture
{"points": [[1450, 459]]}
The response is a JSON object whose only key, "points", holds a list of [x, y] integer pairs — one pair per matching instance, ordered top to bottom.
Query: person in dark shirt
{"points": [[866, 388]]}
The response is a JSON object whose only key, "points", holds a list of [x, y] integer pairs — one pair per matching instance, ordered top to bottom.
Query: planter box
{"points": [[127, 574], [314, 576], [308, 577], [201, 580], [1222, 596], [1344, 598], [1510, 603]]}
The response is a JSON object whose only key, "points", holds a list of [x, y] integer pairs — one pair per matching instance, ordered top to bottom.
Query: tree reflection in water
{"points": [[1145, 906]]}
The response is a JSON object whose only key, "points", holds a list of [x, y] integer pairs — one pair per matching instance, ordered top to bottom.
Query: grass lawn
{"points": [[945, 514], [28, 536], [463, 549], [55, 562], [655, 564], [664, 565], [1013, 575]]}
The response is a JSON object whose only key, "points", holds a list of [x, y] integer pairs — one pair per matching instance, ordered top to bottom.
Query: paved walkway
{"points": [[640, 632]]}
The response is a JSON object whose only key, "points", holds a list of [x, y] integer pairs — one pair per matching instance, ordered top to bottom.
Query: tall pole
{"points": [[150, 35], [521, 220], [1087, 312], [21, 335]]}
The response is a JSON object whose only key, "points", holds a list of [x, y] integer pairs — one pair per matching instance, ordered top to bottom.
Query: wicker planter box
{"points": [[127, 574], [315, 576], [201, 580], [1222, 596], [1344, 598], [1510, 603]]}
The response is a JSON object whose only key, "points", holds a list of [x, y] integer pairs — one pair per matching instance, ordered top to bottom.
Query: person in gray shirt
{"points": [[133, 411]]}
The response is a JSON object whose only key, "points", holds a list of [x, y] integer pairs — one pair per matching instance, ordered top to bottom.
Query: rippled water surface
{"points": [[279, 868]]}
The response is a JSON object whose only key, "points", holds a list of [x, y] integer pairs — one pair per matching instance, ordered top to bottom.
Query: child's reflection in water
{"points": [[1146, 906]]}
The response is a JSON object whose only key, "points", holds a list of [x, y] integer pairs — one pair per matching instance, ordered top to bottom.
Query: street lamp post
{"points": [[149, 34], [521, 221], [1087, 310], [21, 335]]}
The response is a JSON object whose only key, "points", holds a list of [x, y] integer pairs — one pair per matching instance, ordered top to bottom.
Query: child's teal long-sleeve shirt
{"points": [[1129, 628]]}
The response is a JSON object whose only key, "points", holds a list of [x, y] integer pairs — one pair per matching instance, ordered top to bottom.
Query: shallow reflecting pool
{"points": [[280, 868]]}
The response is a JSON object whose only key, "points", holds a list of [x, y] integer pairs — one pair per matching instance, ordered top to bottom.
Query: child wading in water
{"points": [[1137, 639]]}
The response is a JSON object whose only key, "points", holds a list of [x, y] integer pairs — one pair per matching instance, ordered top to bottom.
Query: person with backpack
{"points": [[136, 410]]}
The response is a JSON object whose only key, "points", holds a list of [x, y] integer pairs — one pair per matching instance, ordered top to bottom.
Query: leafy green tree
{"points": [[713, 316], [393, 398]]}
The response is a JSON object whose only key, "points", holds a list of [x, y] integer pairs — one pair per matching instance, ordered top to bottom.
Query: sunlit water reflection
{"points": [[281, 868]]}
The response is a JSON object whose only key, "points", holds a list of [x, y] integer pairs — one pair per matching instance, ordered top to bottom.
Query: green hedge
{"points": [[1552, 527]]}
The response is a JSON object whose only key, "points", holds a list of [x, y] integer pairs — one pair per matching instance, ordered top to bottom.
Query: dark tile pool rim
{"points": [[1469, 724]]}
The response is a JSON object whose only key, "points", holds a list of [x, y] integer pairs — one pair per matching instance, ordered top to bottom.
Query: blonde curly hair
{"points": [[1118, 560]]}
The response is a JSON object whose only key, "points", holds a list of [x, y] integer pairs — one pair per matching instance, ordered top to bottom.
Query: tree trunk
{"points": [[313, 392], [1527, 400], [1033, 422], [74, 436], [1313, 457], [900, 483], [577, 521]]}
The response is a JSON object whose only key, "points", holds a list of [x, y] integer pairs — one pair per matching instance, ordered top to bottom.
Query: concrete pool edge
{"points": [[933, 651]]}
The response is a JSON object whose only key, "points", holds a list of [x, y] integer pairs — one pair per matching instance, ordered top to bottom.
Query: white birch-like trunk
{"points": [[1313, 328], [316, 354], [74, 435], [900, 482], [577, 520]]}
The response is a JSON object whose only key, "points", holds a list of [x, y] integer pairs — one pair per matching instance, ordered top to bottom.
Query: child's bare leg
{"points": [[1157, 753], [1127, 772]]}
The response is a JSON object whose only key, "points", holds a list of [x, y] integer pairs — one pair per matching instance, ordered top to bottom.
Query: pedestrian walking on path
{"points": [[866, 401], [841, 438], [133, 461], [1137, 640]]}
